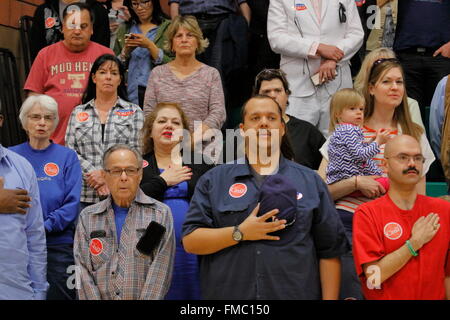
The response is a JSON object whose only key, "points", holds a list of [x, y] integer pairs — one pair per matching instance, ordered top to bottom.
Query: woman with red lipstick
{"points": [[386, 108], [104, 119], [170, 176]]}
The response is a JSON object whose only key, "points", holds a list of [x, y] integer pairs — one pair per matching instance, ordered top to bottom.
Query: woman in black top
{"points": [[157, 153], [170, 176]]}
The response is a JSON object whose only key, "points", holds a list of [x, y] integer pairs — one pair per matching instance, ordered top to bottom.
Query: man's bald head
{"points": [[400, 144], [403, 161]]}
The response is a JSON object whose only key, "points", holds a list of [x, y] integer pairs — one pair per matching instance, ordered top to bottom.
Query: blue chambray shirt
{"points": [[141, 64], [23, 252], [264, 269]]}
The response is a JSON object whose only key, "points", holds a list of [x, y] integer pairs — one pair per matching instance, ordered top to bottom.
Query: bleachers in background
{"points": [[24, 28], [10, 98], [436, 189]]}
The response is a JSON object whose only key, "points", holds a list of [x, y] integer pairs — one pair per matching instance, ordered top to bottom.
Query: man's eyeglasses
{"points": [[144, 4], [38, 117], [405, 159], [117, 172]]}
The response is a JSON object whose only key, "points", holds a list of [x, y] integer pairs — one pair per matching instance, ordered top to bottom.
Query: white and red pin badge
{"points": [[50, 22], [82, 116], [144, 163], [51, 169], [237, 190], [393, 230], [96, 246]]}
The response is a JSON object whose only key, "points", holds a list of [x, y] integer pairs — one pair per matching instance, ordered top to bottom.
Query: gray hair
{"points": [[44, 101], [121, 146]]}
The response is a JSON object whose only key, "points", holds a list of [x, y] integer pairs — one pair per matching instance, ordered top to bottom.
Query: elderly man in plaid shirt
{"points": [[124, 245]]}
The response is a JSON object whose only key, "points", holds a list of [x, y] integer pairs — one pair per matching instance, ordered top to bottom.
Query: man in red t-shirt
{"points": [[61, 70], [401, 241]]}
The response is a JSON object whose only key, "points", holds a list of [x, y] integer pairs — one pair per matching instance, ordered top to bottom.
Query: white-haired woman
{"points": [[58, 173]]}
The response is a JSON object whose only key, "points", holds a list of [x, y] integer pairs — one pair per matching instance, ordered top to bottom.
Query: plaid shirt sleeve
{"points": [[138, 124], [72, 143], [159, 275], [87, 289]]}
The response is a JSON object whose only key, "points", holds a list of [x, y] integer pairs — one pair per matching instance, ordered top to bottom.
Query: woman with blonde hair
{"points": [[363, 75], [194, 85], [386, 108], [170, 176]]}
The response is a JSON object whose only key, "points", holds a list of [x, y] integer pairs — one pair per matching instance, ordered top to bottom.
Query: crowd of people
{"points": [[324, 196]]}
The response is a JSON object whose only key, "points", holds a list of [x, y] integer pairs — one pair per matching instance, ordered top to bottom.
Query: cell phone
{"points": [[129, 36], [315, 79], [151, 238]]}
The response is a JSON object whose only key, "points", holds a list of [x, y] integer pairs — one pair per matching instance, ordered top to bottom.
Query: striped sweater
{"points": [[200, 94], [349, 155]]}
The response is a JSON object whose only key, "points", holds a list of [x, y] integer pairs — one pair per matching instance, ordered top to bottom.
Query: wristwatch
{"points": [[237, 234]]}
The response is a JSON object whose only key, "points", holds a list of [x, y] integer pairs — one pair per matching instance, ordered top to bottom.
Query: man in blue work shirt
{"points": [[23, 253], [240, 257]]}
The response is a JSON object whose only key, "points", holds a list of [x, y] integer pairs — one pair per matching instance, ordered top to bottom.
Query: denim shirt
{"points": [[141, 64]]}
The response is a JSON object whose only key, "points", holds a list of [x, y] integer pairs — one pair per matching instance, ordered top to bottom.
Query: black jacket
{"points": [[42, 36], [154, 186]]}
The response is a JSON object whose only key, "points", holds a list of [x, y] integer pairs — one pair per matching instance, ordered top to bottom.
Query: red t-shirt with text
{"points": [[63, 75]]}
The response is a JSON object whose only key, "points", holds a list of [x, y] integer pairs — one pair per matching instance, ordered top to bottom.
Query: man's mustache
{"points": [[411, 169]]}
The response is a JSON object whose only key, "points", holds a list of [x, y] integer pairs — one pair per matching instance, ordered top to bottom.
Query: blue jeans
{"points": [[59, 258], [350, 283]]}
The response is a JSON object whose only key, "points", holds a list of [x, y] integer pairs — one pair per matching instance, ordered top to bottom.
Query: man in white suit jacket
{"points": [[316, 40]]}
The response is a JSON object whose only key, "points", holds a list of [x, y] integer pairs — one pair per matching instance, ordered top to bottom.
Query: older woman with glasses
{"points": [[139, 43], [185, 80], [386, 108], [104, 119], [59, 177]]}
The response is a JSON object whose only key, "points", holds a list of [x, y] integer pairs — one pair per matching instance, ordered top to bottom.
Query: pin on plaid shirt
{"points": [[84, 135], [119, 271]]}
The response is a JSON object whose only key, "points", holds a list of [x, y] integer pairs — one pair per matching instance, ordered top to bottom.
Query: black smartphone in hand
{"points": [[151, 238]]}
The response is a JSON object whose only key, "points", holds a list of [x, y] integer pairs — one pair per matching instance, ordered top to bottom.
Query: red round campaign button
{"points": [[238, 190], [96, 247]]}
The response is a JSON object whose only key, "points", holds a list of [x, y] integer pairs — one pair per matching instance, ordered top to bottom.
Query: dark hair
{"points": [[81, 6], [157, 15], [269, 75], [90, 91], [286, 146]]}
